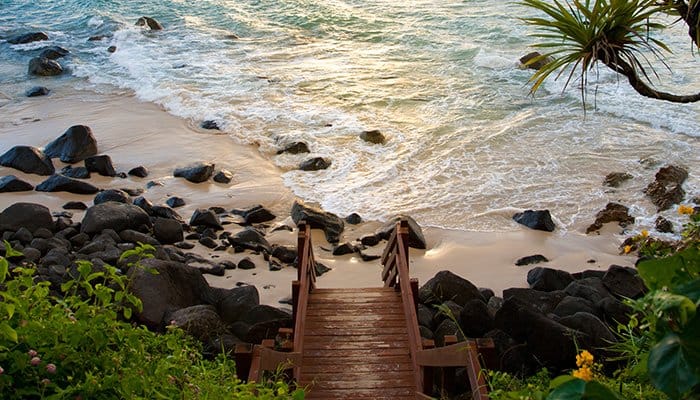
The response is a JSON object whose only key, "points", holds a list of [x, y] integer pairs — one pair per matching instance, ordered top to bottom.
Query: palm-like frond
{"points": [[578, 33]]}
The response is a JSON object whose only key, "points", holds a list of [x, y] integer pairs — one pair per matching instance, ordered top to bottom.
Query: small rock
{"points": [[150, 22], [28, 38], [96, 38], [111, 49], [54, 52], [534, 60], [44, 67], [37, 91], [209, 124], [373, 136], [76, 144], [295, 148], [28, 159], [101, 164], [315, 164], [139, 171], [76, 173], [196, 173], [223, 176], [615, 179], [11, 183], [60, 183], [111, 195], [175, 202], [75, 205], [613, 212], [28, 215], [257, 215], [206, 218], [353, 219], [539, 220], [330, 223], [663, 225], [167, 231], [250, 238], [416, 239], [370, 240], [208, 242], [184, 245], [345, 248], [286, 254], [534, 259], [246, 263], [274, 266], [321, 269], [548, 279]]}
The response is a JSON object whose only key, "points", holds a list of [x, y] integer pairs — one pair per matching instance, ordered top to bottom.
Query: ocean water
{"points": [[467, 145]]}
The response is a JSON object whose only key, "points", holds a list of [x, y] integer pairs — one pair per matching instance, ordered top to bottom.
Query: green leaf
{"points": [[10, 252], [4, 269], [671, 271], [690, 290], [680, 308], [9, 309], [127, 312], [7, 332], [673, 361], [560, 380], [573, 389]]}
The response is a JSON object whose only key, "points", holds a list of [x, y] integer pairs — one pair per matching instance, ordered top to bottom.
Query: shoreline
{"points": [[134, 133]]}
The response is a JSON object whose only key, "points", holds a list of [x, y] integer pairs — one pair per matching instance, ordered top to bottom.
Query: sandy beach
{"points": [[135, 133]]}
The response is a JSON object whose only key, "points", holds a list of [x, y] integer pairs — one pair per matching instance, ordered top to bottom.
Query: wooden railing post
{"points": [[243, 355], [428, 371], [448, 373]]}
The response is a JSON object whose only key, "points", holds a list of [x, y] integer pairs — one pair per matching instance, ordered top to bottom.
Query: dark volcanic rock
{"points": [[151, 23], [28, 38], [112, 49], [54, 52], [530, 60], [44, 67], [37, 91], [209, 124], [373, 136], [76, 144], [295, 148], [28, 159], [101, 164], [315, 164], [139, 171], [77, 172], [196, 173], [224, 176], [615, 179], [11, 183], [60, 183], [667, 189], [117, 195], [175, 202], [144, 204], [75, 205], [166, 212], [613, 212], [257, 214], [26, 215], [111, 215], [203, 217], [353, 219], [540, 220], [330, 223], [663, 225], [167, 231], [132, 236], [250, 238], [416, 239], [343, 249], [286, 254], [534, 259], [246, 263], [548, 279], [624, 282], [446, 286], [174, 287], [588, 288], [544, 302], [235, 303], [571, 305], [614, 311], [474, 319], [200, 321], [447, 327], [597, 336]]}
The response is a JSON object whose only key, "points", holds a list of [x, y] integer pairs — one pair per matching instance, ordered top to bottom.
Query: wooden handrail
{"points": [[395, 274], [305, 283], [458, 355]]}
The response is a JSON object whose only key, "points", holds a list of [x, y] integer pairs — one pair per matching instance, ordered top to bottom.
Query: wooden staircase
{"points": [[355, 342], [363, 343]]}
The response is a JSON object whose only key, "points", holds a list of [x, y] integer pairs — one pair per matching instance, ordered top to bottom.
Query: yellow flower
{"points": [[685, 209], [645, 233], [627, 249], [584, 359], [584, 373]]}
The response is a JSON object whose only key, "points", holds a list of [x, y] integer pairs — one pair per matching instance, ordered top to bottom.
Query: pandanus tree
{"points": [[617, 33]]}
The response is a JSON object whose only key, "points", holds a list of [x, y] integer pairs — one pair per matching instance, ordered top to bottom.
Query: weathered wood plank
{"points": [[352, 290], [353, 318], [348, 325], [359, 331], [379, 336], [329, 345], [355, 353], [354, 360], [357, 368], [330, 377], [404, 382], [384, 394]]}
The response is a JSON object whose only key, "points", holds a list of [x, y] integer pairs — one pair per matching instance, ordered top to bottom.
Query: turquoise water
{"points": [[467, 145]]}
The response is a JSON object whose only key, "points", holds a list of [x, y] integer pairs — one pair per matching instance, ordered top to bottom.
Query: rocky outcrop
{"points": [[151, 23], [28, 38], [54, 52], [534, 60], [44, 67], [75, 144], [295, 148], [28, 159], [315, 164], [196, 173], [615, 179], [11, 183], [60, 183], [667, 189], [115, 195], [613, 212], [30, 216], [116, 216], [207, 218], [539, 220], [331, 224], [250, 239], [416, 239], [548, 279], [446, 286]]}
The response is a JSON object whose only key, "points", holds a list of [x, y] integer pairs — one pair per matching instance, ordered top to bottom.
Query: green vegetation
{"points": [[617, 33], [81, 345], [659, 347]]}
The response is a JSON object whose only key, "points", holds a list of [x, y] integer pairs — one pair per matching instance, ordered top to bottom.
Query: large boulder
{"points": [[28, 38], [54, 52], [44, 67], [75, 144], [28, 159], [101, 164], [76, 173], [196, 173], [11, 183], [60, 183], [667, 189], [116, 195], [613, 212], [257, 214], [26, 215], [112, 215], [206, 218], [536, 219], [331, 224], [167, 231], [251, 239], [416, 239], [548, 279], [624, 282], [446, 286], [173, 287], [591, 289], [544, 302], [234, 304], [571, 305], [264, 313], [475, 319], [200, 321], [447, 328], [597, 334]]}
